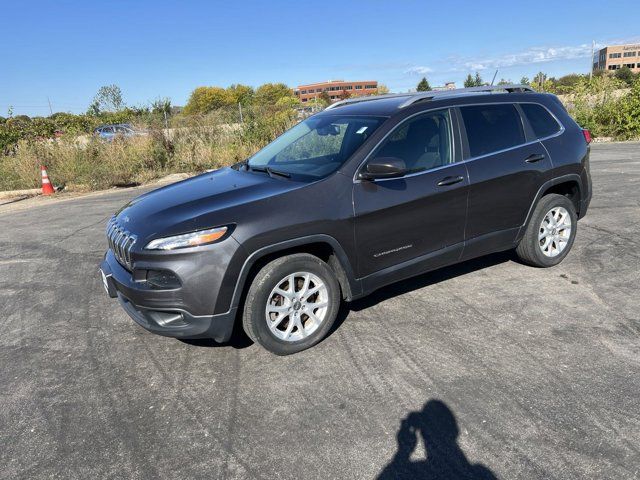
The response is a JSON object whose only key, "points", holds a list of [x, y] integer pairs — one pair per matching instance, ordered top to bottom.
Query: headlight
{"points": [[195, 239]]}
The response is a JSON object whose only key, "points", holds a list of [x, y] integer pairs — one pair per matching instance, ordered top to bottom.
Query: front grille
{"points": [[120, 242]]}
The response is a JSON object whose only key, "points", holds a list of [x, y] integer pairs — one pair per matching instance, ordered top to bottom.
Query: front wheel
{"points": [[550, 233], [291, 304]]}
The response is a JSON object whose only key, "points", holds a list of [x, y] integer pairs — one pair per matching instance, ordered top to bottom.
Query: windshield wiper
{"points": [[270, 171], [273, 172]]}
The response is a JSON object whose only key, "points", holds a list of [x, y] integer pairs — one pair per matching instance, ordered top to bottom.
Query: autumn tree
{"points": [[270, 93], [206, 99]]}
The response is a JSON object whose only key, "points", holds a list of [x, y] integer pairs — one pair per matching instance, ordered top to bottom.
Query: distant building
{"points": [[613, 57], [447, 86], [334, 88]]}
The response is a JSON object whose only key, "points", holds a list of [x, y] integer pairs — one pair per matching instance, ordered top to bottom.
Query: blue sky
{"points": [[66, 50]]}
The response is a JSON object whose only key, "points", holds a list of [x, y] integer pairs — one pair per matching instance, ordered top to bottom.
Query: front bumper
{"points": [[162, 311]]}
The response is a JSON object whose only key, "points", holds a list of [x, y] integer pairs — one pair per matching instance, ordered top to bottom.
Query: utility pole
{"points": [[593, 46], [494, 77], [240, 108], [50, 109]]}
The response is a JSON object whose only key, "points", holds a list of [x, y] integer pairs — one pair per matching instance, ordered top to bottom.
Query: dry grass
{"points": [[94, 164]]}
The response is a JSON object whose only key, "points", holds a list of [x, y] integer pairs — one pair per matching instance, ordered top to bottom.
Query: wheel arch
{"points": [[569, 185], [322, 246]]}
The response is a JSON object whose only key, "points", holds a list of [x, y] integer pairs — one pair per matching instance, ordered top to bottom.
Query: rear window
{"points": [[541, 121], [492, 127]]}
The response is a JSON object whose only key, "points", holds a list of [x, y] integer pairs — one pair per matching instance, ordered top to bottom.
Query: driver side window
{"points": [[422, 143], [314, 144]]}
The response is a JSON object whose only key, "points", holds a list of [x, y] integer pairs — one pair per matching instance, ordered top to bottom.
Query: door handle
{"points": [[534, 157], [446, 181]]}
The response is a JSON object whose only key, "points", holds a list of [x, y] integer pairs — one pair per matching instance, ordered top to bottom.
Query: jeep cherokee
{"points": [[368, 192]]}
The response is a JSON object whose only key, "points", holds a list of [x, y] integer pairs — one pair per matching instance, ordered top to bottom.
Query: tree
{"points": [[626, 75], [539, 79], [478, 80], [524, 81], [469, 82], [504, 82], [567, 83], [423, 85], [382, 89], [270, 93], [242, 94], [344, 95], [324, 98], [108, 99], [206, 99], [161, 106], [94, 109]]}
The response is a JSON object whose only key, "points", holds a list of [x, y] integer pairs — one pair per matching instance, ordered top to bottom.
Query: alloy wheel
{"points": [[554, 232], [297, 306]]}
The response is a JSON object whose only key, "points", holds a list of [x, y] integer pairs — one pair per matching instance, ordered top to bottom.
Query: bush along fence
{"points": [[203, 137]]}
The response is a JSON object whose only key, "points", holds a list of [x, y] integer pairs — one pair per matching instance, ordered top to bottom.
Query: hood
{"points": [[199, 202]]}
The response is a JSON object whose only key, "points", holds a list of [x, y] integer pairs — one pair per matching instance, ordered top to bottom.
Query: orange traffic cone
{"points": [[47, 188]]}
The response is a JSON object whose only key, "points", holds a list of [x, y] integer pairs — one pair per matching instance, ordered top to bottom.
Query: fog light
{"points": [[162, 279], [167, 319]]}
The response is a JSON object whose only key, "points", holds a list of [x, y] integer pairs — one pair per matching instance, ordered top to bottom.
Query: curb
{"points": [[19, 193]]}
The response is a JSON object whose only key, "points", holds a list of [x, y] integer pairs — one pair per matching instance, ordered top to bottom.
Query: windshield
{"points": [[317, 146]]}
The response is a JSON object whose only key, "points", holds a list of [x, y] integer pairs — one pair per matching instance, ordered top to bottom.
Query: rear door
{"points": [[506, 167], [403, 219]]}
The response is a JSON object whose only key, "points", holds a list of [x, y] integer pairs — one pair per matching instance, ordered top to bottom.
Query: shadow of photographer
{"points": [[438, 428]]}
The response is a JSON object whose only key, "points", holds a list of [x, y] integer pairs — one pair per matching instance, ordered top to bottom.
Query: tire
{"points": [[541, 251], [274, 318]]}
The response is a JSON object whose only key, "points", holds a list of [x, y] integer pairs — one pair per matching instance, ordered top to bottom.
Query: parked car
{"points": [[120, 130], [368, 192]]}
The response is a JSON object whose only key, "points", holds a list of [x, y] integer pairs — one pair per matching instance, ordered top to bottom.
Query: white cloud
{"points": [[528, 56], [418, 70]]}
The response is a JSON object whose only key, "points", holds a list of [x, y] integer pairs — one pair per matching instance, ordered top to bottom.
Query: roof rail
{"points": [[434, 95], [367, 99]]}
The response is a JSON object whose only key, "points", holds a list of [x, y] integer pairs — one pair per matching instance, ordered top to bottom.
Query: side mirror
{"points": [[383, 167]]}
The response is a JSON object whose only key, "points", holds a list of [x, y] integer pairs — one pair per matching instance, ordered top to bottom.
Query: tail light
{"points": [[587, 135]]}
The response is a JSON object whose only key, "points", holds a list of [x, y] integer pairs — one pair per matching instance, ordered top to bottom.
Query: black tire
{"points": [[529, 249], [254, 319]]}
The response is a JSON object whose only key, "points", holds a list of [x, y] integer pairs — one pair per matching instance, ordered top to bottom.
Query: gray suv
{"points": [[370, 191]]}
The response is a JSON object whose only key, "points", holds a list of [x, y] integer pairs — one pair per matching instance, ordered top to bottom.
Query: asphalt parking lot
{"points": [[489, 369]]}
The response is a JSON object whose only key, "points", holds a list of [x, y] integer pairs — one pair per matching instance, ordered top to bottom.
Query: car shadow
{"points": [[420, 281], [240, 340], [438, 429]]}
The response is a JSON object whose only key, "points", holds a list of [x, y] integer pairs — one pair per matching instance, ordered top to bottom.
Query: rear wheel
{"points": [[550, 233], [291, 304]]}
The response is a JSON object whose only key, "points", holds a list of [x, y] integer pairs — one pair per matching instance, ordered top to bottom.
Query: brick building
{"points": [[613, 57], [334, 88]]}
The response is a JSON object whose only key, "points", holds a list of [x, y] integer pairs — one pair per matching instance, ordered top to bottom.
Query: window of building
{"points": [[629, 54], [615, 55], [614, 67], [369, 86], [349, 87], [358, 87], [318, 90], [304, 100], [541, 121], [491, 128], [422, 143]]}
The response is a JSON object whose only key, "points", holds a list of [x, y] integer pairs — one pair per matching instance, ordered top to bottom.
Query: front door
{"points": [[405, 223]]}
